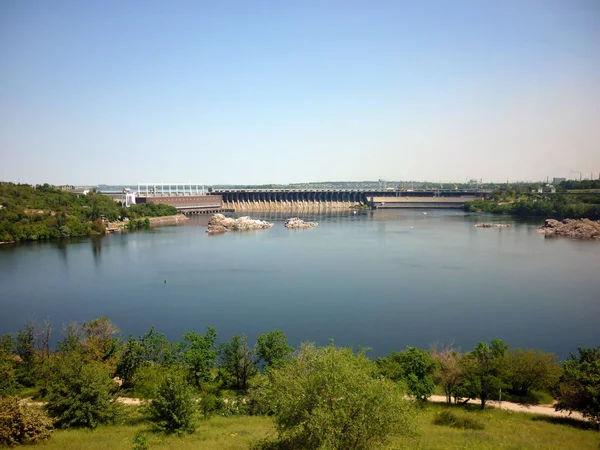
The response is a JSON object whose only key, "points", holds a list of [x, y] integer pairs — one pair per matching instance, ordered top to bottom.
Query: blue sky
{"points": [[290, 91]]}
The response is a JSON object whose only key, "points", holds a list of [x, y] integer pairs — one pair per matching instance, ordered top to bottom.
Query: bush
{"points": [[81, 394], [331, 398], [173, 409], [449, 419], [22, 424]]}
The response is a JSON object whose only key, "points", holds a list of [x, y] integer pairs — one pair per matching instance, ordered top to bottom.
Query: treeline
{"points": [[572, 185], [558, 206], [45, 212], [312, 393]]}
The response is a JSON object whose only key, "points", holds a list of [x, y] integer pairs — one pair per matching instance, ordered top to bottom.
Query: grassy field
{"points": [[503, 430]]}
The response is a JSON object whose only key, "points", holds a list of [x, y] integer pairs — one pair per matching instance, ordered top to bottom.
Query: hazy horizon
{"points": [[258, 93]]}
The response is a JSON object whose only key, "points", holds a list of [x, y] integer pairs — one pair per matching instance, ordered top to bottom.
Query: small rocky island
{"points": [[218, 223], [297, 223], [493, 225], [573, 228]]}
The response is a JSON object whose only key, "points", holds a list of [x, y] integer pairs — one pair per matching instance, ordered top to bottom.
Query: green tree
{"points": [[151, 348], [272, 348], [25, 349], [200, 354], [238, 361], [412, 366], [484, 370], [529, 370], [579, 389], [81, 394], [330, 398], [173, 408]]}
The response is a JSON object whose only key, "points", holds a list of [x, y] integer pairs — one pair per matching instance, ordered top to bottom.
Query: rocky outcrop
{"points": [[218, 223], [296, 223], [493, 225], [573, 228]]}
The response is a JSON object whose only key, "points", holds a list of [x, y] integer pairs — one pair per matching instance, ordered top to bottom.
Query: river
{"points": [[385, 280]]}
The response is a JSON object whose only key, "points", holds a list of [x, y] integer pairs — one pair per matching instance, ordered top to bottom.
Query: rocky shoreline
{"points": [[297, 223], [218, 224], [573, 228]]}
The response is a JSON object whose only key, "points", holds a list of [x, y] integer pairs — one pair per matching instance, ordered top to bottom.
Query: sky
{"points": [[252, 92]]}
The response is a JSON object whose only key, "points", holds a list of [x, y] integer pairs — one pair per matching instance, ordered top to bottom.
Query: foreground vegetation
{"points": [[30, 213], [276, 397], [502, 430]]}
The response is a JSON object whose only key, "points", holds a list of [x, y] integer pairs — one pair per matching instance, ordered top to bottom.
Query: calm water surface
{"points": [[384, 279]]}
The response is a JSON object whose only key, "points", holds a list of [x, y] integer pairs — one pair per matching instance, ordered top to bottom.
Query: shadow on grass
{"points": [[567, 421]]}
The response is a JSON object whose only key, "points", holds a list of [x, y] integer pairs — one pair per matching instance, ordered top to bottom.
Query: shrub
{"points": [[8, 379], [81, 394], [331, 398], [173, 409], [450, 419], [21, 424]]}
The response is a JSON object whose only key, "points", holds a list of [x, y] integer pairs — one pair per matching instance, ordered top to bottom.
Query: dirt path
{"points": [[507, 406], [518, 407]]}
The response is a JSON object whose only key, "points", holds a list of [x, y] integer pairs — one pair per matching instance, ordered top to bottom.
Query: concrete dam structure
{"points": [[194, 199], [329, 199]]}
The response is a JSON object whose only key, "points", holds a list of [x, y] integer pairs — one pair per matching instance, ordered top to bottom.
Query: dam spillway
{"points": [[332, 199]]}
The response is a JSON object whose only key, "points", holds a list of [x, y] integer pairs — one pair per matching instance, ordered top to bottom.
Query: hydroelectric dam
{"points": [[195, 199]]}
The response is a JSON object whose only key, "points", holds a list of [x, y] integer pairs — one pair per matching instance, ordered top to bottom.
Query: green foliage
{"points": [[555, 206], [44, 212], [141, 224], [151, 348], [272, 348], [25, 349], [200, 354], [238, 362], [412, 366], [484, 370], [529, 370], [149, 377], [8, 378], [580, 384], [81, 394], [330, 398], [173, 408], [451, 419], [20, 424], [140, 442]]}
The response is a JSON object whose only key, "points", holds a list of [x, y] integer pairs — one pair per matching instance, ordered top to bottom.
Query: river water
{"points": [[385, 280]]}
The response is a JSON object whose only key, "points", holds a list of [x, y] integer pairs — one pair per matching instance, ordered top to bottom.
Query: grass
{"points": [[503, 430]]}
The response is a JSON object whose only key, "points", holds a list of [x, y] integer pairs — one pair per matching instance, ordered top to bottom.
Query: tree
{"points": [[151, 348], [272, 348], [25, 349], [200, 354], [238, 361], [412, 366], [449, 370], [484, 370], [528, 370], [579, 389], [81, 393], [331, 398], [173, 408], [21, 424]]}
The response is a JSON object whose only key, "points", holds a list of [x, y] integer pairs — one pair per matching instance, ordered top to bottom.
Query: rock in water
{"points": [[296, 222], [218, 223], [573, 228]]}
